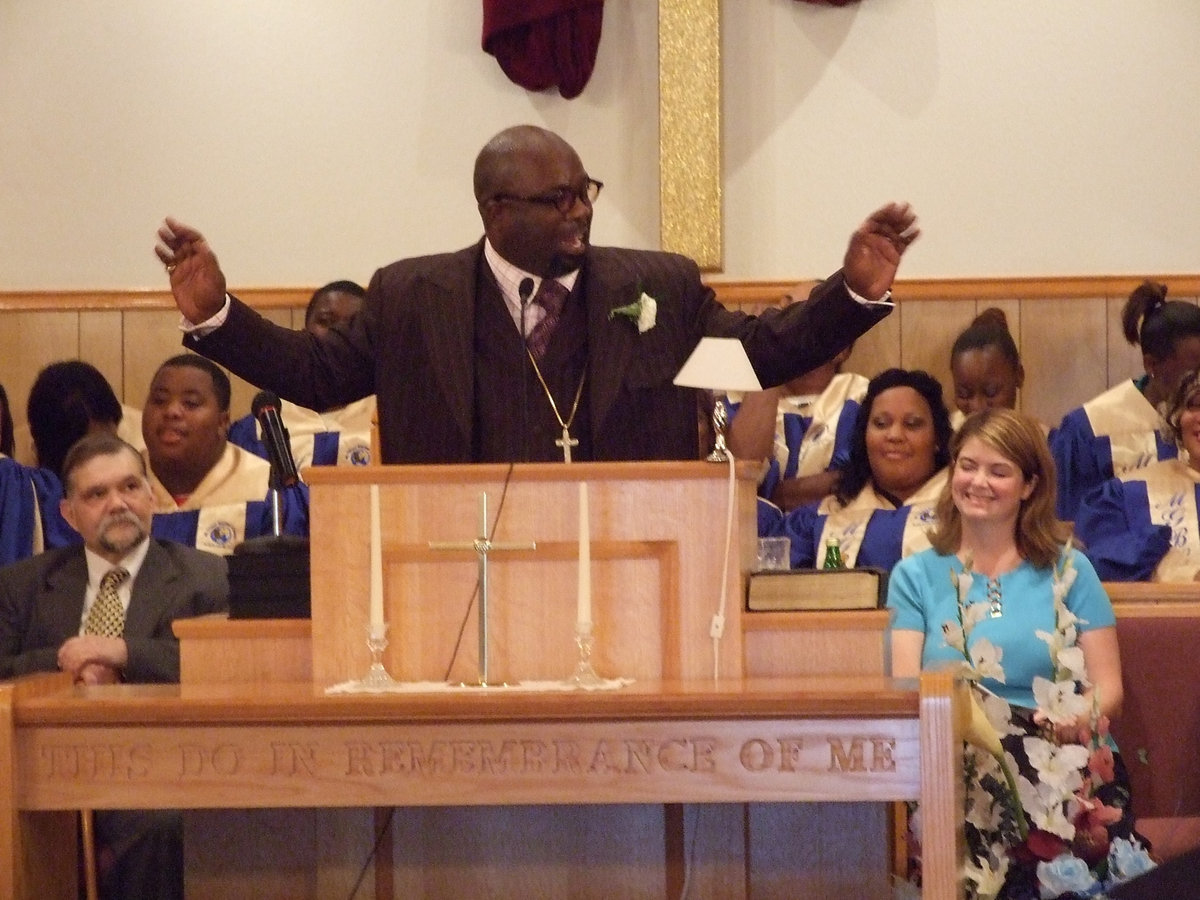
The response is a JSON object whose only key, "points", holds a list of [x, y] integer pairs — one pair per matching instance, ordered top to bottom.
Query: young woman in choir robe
{"points": [[985, 366], [69, 399], [1123, 428], [207, 492], [885, 499], [1144, 525]]}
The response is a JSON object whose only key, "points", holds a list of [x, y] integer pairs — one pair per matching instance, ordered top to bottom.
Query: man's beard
{"points": [[121, 546]]}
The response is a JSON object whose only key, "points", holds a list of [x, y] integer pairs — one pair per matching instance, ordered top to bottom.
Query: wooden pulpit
{"points": [[658, 534], [722, 774]]}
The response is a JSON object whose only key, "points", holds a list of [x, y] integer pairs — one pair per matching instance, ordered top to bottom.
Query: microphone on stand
{"points": [[524, 291], [265, 409]]}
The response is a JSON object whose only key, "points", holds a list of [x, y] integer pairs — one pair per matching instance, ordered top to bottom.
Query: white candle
{"points": [[584, 612], [377, 622]]}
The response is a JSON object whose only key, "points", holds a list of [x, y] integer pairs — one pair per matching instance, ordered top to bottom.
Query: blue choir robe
{"points": [[812, 433], [1114, 433], [338, 437], [230, 505], [30, 520], [1144, 526], [219, 529], [871, 531]]}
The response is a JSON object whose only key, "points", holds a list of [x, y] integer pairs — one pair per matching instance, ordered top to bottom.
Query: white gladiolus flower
{"points": [[962, 582], [973, 615], [952, 634], [986, 656], [1070, 661], [1058, 700], [1058, 767], [1044, 806], [988, 875]]}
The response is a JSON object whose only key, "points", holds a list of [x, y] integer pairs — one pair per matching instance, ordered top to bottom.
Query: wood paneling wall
{"points": [[1068, 331], [125, 335]]}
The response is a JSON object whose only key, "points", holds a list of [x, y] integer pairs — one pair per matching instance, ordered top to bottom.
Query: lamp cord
{"points": [[717, 629]]}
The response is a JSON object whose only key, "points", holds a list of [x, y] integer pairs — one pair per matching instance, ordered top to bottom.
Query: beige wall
{"points": [[313, 140]]}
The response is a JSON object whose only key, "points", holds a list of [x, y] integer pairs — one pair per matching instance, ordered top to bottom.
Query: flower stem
{"points": [[1015, 799]]}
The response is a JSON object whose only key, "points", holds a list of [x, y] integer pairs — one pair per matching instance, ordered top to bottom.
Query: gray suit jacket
{"points": [[413, 345], [41, 605]]}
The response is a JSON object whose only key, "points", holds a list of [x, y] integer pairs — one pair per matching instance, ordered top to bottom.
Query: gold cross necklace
{"points": [[566, 441]]}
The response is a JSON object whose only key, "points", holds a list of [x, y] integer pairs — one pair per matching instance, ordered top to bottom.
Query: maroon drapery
{"points": [[542, 44]]}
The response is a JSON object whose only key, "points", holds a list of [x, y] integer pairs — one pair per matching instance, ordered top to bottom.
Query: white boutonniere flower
{"points": [[643, 312]]}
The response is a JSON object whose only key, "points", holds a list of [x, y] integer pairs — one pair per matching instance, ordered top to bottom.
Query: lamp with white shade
{"points": [[719, 365]]}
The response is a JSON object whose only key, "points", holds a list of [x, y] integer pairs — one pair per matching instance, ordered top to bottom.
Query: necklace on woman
{"points": [[566, 441], [994, 598]]}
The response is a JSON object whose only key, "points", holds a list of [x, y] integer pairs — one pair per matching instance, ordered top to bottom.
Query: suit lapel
{"points": [[606, 287], [447, 312], [150, 589], [63, 592]]}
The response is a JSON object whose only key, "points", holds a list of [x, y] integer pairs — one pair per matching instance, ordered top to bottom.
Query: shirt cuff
{"points": [[885, 300], [208, 326]]}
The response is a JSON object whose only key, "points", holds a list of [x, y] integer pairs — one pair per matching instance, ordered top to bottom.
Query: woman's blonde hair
{"points": [[1040, 534]]}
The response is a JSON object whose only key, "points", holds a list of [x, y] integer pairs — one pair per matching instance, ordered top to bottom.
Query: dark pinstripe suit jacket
{"points": [[413, 346], [41, 605]]}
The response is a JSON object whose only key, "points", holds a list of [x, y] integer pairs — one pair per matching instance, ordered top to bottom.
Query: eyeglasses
{"points": [[563, 199]]}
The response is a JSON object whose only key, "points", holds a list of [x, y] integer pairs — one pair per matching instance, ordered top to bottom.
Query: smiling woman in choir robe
{"points": [[885, 499], [1144, 526]]}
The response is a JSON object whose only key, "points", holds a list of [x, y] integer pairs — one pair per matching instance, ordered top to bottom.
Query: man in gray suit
{"points": [[512, 348], [103, 612]]}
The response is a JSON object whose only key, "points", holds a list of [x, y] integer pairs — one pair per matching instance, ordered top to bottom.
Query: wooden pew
{"points": [[1158, 627]]}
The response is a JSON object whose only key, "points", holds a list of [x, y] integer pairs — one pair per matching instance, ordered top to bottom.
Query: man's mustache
{"points": [[121, 518]]}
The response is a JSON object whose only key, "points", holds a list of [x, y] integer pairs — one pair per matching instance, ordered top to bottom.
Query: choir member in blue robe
{"points": [[985, 367], [68, 399], [1122, 429], [801, 430], [7, 437], [335, 437], [207, 492], [887, 493], [29, 497], [29, 517], [1144, 525]]}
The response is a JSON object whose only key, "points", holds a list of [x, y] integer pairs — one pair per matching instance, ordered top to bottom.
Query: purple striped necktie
{"points": [[551, 296]]}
